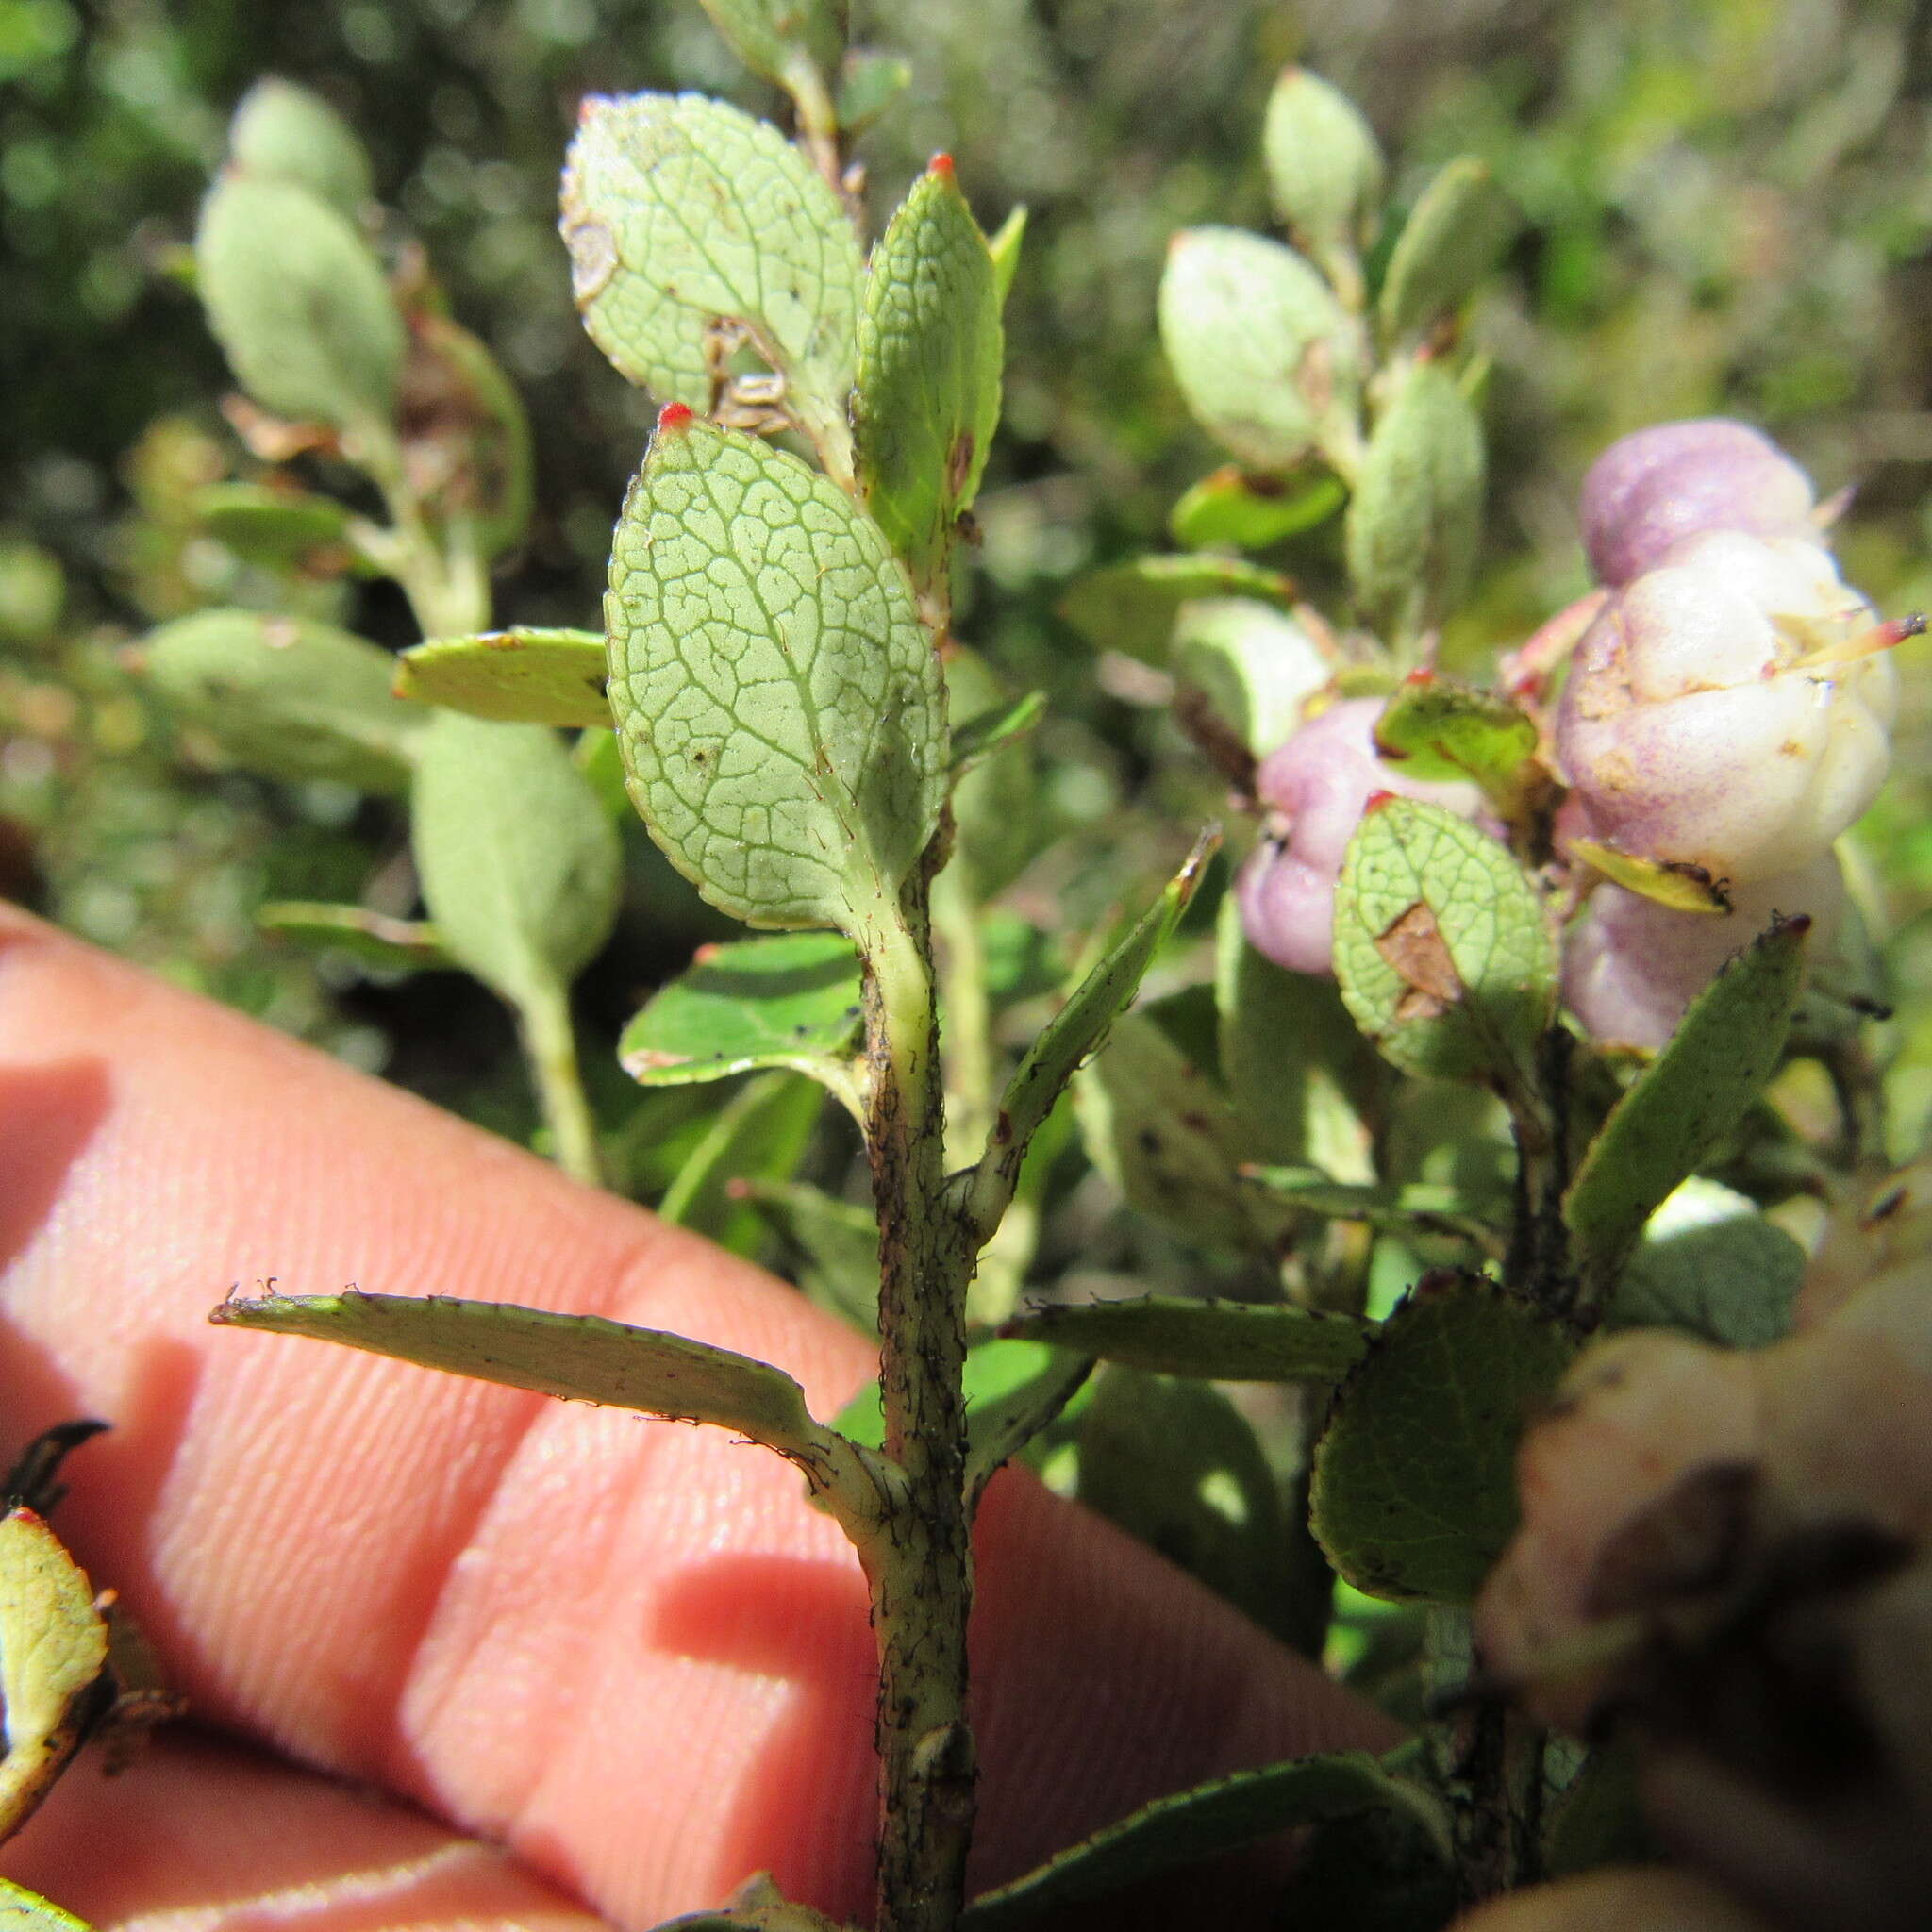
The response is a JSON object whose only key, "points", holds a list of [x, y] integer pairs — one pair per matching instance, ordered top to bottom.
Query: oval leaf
{"points": [[769, 35], [287, 133], [682, 212], [1455, 234], [299, 304], [931, 347], [1242, 512], [1132, 607], [529, 675], [287, 697], [777, 700], [1437, 728], [521, 868], [397, 945], [1441, 946], [787, 1001], [1414, 1485], [53, 1649]]}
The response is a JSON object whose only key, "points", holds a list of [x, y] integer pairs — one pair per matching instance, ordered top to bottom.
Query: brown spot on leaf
{"points": [[1413, 945]]}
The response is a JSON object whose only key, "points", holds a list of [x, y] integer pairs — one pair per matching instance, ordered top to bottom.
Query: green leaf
{"points": [[769, 35], [869, 83], [283, 132], [1324, 167], [681, 214], [1454, 237], [1003, 244], [299, 304], [930, 349], [1266, 360], [474, 440], [1233, 509], [1415, 519], [266, 524], [1132, 607], [1254, 666], [528, 676], [287, 697], [778, 701], [1436, 729], [991, 730], [521, 868], [1681, 886], [398, 945], [1441, 947], [787, 1001], [1067, 1039], [1298, 1072], [1679, 1111], [1157, 1124], [761, 1133], [1418, 1207], [838, 1243], [1711, 1265], [1216, 1340], [578, 1357], [1037, 1384], [1177, 1466], [1414, 1489], [53, 1649], [1598, 1820], [1192, 1825], [22, 1910]]}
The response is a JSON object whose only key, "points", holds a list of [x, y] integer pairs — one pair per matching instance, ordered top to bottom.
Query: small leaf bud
{"points": [[1325, 168]]}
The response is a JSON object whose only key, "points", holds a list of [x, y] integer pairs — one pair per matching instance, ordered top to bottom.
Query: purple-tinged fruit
{"points": [[1651, 491]]}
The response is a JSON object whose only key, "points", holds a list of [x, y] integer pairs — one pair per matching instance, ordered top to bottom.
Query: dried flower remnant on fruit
{"points": [[1653, 490], [1730, 710], [1313, 791]]}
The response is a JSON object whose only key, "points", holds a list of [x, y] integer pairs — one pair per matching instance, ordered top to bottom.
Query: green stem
{"points": [[550, 1047], [921, 1572]]}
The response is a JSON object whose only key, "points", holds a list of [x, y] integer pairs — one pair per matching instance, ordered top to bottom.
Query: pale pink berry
{"points": [[1649, 492], [1730, 710], [1314, 789], [1631, 966]]}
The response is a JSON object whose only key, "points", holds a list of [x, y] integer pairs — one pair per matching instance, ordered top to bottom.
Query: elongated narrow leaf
{"points": [[682, 212], [1454, 235], [1005, 244], [298, 300], [930, 347], [268, 525], [1132, 607], [526, 676], [286, 696], [777, 700], [991, 731], [521, 869], [399, 945], [1441, 946], [787, 1001], [1069, 1037], [1678, 1111], [760, 1134], [1220, 1342], [577, 1358], [1001, 1424], [1414, 1491], [53, 1649], [1192, 1825], [22, 1910]]}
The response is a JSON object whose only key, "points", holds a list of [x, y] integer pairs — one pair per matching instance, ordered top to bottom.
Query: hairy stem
{"points": [[922, 1571]]}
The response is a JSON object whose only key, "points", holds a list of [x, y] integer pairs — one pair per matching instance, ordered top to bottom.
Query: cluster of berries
{"points": [[1726, 716]]}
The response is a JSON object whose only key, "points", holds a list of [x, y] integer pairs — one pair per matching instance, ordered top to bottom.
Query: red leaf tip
{"points": [[942, 164], [673, 416], [1421, 676], [1377, 800]]}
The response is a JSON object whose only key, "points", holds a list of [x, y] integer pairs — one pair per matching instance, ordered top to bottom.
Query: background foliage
{"points": [[1727, 204]]}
